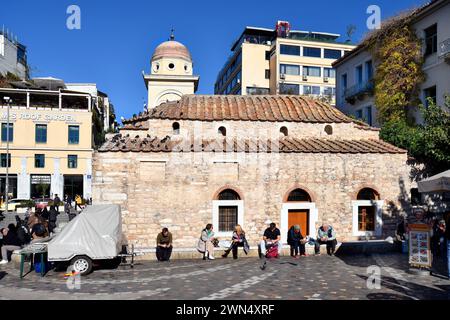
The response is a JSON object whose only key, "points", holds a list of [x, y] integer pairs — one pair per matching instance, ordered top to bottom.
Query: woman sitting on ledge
{"points": [[237, 240], [205, 244]]}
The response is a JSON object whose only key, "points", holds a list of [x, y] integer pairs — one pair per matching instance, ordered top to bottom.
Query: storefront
{"points": [[73, 185], [40, 186], [12, 192]]}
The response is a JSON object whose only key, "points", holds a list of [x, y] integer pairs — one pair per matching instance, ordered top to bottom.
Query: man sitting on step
{"points": [[326, 235]]}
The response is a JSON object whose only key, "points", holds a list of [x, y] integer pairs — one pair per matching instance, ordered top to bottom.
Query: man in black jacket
{"points": [[10, 243]]}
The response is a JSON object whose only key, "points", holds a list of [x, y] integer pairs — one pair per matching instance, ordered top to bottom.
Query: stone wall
{"points": [[255, 129], [177, 189]]}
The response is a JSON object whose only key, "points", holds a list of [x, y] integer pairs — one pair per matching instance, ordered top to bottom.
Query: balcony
{"points": [[444, 50], [359, 91], [46, 99]]}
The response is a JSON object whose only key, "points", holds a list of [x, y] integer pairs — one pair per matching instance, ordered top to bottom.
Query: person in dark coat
{"points": [[56, 202], [45, 214], [52, 217], [294, 239], [10, 243], [164, 245]]}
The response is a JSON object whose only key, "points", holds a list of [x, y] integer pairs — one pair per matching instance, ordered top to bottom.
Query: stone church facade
{"points": [[249, 160]]}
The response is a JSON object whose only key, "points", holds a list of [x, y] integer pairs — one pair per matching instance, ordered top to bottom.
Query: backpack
{"points": [[23, 235], [272, 252]]}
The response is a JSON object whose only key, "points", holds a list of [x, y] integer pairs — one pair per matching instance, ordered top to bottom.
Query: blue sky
{"points": [[117, 38]]}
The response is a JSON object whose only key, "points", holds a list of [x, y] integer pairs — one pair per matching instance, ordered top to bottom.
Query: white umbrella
{"points": [[437, 183]]}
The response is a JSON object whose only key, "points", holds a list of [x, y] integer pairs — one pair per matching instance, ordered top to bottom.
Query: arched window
{"points": [[176, 128], [329, 129], [222, 131], [284, 131], [228, 194], [368, 194], [298, 195], [228, 210]]}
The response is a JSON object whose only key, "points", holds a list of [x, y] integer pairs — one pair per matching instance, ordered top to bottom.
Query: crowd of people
{"points": [[34, 227], [271, 242]]}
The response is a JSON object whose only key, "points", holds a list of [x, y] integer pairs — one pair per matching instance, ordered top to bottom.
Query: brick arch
{"points": [[297, 186], [364, 186], [235, 189]]}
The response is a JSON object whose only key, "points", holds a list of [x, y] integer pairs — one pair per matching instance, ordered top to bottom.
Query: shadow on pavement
{"points": [[412, 290]]}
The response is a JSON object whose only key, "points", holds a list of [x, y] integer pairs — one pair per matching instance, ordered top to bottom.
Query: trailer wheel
{"points": [[82, 264]]}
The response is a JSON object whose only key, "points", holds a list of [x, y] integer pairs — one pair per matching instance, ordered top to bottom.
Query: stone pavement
{"points": [[312, 277]]}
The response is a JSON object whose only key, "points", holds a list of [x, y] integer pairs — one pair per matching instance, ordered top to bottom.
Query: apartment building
{"points": [[13, 55], [282, 61], [355, 70]]}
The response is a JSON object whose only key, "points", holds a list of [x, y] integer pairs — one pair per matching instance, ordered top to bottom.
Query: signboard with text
{"points": [[40, 179], [419, 245]]}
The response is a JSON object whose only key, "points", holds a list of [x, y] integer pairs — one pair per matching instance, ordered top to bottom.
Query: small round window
{"points": [[171, 66], [156, 67], [329, 130]]}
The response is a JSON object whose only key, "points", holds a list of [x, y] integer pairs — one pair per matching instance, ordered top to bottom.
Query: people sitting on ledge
{"points": [[326, 235], [271, 237], [238, 240], [296, 241], [205, 243], [164, 245]]}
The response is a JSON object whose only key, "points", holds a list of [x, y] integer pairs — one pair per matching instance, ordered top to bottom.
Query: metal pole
{"points": [[8, 157]]}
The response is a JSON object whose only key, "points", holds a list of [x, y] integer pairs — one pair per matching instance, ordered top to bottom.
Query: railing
{"points": [[444, 48], [359, 89], [28, 98]]}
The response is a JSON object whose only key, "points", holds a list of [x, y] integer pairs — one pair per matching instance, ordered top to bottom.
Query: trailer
{"points": [[93, 235]]}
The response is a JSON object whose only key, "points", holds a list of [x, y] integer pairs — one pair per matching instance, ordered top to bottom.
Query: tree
{"points": [[428, 142]]}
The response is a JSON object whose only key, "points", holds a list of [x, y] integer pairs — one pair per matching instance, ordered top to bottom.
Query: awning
{"points": [[437, 183]]}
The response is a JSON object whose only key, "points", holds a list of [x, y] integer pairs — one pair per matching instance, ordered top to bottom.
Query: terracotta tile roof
{"points": [[274, 108], [119, 143]]}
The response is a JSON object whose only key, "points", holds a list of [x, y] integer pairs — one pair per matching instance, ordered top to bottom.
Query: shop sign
{"points": [[37, 116], [37, 179]]}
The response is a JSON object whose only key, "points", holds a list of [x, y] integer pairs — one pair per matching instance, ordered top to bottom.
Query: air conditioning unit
{"points": [[282, 76], [305, 78], [325, 79]]}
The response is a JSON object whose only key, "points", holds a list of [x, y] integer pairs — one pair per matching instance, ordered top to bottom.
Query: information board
{"points": [[419, 245]]}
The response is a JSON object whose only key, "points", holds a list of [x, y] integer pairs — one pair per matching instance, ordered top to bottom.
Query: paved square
{"points": [[313, 277]]}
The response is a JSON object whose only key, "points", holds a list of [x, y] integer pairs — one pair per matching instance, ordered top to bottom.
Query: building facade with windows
{"points": [[13, 56], [282, 61], [355, 71], [50, 143], [248, 159]]}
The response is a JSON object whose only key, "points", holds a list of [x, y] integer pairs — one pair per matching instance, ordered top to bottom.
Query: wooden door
{"points": [[300, 217]]}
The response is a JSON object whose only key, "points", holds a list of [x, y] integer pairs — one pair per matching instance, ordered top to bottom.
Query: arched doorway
{"points": [[298, 209], [228, 210], [367, 213]]}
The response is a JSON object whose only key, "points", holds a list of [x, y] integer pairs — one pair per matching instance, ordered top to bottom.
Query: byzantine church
{"points": [[189, 160]]}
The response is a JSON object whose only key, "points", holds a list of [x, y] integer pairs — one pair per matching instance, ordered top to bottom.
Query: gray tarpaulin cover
{"points": [[95, 232]]}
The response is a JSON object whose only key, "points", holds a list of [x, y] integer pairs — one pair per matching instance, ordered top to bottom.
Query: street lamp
{"points": [[8, 101]]}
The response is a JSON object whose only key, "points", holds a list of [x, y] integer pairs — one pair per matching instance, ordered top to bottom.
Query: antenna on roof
{"points": [[172, 36]]}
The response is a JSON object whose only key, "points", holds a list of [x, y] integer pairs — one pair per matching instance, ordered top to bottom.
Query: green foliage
{"points": [[399, 73], [97, 128], [429, 142], [42, 188]]}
